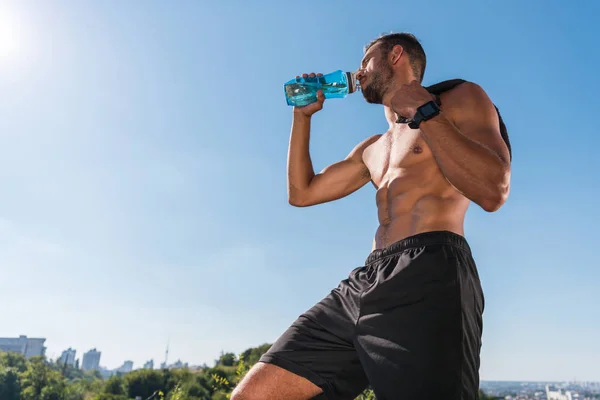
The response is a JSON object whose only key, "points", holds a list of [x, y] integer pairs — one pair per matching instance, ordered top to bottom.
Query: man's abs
{"points": [[413, 196], [398, 220]]}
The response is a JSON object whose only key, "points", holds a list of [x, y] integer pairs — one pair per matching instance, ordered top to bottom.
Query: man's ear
{"points": [[396, 54]]}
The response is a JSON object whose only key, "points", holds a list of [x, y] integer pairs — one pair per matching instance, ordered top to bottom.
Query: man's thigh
{"points": [[419, 332], [319, 345]]}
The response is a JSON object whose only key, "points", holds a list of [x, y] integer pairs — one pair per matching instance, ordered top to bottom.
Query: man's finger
{"points": [[320, 96]]}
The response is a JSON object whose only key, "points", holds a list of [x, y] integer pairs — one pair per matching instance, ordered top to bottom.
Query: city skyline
{"points": [[143, 150], [54, 354], [158, 362]]}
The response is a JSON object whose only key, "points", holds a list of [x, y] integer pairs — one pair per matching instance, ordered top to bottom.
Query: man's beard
{"points": [[378, 85]]}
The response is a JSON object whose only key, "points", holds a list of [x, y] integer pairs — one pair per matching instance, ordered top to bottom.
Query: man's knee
{"points": [[265, 381], [254, 384], [249, 388], [238, 395]]}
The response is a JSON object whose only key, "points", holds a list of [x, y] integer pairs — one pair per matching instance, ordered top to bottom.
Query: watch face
{"points": [[428, 109]]}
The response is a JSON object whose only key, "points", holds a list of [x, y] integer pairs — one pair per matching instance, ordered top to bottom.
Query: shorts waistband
{"points": [[419, 240]]}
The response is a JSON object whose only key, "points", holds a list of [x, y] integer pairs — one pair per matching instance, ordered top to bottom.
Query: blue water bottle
{"points": [[302, 91]]}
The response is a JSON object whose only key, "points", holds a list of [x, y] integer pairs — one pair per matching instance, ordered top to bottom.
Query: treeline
{"points": [[38, 378]]}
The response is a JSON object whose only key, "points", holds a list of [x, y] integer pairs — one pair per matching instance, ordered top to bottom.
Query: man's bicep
{"points": [[475, 116], [348, 172], [343, 177], [336, 181]]}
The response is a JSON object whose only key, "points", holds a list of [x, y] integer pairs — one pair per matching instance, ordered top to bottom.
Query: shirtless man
{"points": [[409, 322]]}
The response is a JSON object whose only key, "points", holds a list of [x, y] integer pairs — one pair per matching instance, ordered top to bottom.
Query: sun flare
{"points": [[9, 38], [14, 40]]}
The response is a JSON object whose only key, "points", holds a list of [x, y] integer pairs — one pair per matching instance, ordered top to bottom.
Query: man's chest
{"points": [[395, 154]]}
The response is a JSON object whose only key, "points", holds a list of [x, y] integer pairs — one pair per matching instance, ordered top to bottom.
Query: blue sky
{"points": [[142, 173]]}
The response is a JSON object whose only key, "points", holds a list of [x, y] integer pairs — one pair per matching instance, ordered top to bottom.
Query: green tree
{"points": [[252, 355], [226, 359], [13, 360], [71, 373], [176, 377], [220, 380], [41, 382], [143, 383], [10, 384], [89, 385], [115, 385], [54, 390], [195, 390], [76, 391], [106, 396], [220, 396]]}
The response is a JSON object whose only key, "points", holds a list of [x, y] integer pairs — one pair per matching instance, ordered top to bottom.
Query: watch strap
{"points": [[420, 116]]}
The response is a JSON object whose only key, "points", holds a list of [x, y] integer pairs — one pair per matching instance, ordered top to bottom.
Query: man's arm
{"points": [[466, 142], [305, 188]]}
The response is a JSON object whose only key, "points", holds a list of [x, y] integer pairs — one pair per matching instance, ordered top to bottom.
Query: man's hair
{"points": [[411, 46]]}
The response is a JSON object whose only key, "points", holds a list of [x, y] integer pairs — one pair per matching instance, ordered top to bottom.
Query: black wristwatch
{"points": [[424, 113]]}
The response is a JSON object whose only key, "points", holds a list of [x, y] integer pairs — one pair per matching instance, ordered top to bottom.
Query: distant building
{"points": [[28, 347], [68, 357], [91, 360], [149, 365], [178, 365], [126, 368], [105, 373], [557, 395]]}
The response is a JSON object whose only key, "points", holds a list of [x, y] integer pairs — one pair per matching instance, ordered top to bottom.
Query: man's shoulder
{"points": [[451, 86], [464, 92], [467, 98], [467, 104], [369, 141], [362, 146]]}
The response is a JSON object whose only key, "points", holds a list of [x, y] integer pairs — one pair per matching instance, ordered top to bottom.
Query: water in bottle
{"points": [[303, 91]]}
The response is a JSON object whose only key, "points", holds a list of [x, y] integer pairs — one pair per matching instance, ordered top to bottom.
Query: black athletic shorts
{"points": [[408, 324]]}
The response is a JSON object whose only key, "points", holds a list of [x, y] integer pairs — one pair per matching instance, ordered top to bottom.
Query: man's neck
{"points": [[399, 80]]}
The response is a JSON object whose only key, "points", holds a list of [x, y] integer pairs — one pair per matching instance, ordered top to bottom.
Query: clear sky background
{"points": [[143, 186]]}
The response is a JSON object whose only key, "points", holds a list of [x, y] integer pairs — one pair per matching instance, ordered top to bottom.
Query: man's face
{"points": [[376, 75]]}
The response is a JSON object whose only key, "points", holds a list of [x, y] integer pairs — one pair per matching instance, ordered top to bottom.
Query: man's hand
{"points": [[408, 98], [310, 109]]}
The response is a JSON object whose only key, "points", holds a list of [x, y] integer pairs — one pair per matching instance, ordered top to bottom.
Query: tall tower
{"points": [[167, 354], [164, 365]]}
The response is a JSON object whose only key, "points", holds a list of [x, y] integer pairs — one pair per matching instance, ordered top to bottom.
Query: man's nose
{"points": [[360, 73]]}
